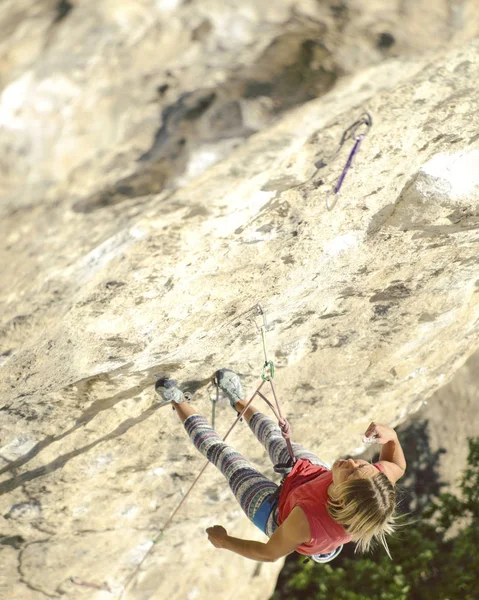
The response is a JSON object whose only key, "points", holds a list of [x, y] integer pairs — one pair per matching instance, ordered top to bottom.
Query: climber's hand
{"points": [[379, 434], [217, 536]]}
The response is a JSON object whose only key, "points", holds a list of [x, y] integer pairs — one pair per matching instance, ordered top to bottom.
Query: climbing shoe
{"points": [[230, 384], [170, 392], [325, 558]]}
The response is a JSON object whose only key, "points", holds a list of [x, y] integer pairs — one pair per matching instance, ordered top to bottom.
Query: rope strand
{"points": [[282, 422], [177, 509]]}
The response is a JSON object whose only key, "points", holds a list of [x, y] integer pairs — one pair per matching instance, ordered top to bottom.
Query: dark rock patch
{"points": [[63, 9], [385, 41], [396, 291], [381, 310], [15, 541]]}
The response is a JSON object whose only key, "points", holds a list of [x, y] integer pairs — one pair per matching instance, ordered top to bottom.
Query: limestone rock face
{"points": [[116, 100], [124, 258]]}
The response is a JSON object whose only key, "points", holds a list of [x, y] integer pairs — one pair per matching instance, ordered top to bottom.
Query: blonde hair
{"points": [[366, 509]]}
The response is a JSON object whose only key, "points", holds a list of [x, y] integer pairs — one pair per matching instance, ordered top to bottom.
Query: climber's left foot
{"points": [[230, 384]]}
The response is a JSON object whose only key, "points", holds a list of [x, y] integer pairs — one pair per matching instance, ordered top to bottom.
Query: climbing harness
{"points": [[357, 131]]}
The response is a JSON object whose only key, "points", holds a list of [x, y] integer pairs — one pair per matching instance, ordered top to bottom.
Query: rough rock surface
{"points": [[117, 99], [122, 259], [450, 415]]}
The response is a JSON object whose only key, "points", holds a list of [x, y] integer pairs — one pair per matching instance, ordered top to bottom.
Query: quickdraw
{"points": [[365, 122]]}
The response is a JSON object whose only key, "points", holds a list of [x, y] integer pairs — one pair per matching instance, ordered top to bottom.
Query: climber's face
{"points": [[352, 468]]}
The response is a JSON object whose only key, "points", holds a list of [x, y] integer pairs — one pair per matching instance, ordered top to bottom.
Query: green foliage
{"points": [[428, 563]]}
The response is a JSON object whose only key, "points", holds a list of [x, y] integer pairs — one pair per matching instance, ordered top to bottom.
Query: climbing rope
{"points": [[267, 376], [214, 402]]}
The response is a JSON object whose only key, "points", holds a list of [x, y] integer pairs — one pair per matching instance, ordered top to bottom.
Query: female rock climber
{"points": [[318, 509]]}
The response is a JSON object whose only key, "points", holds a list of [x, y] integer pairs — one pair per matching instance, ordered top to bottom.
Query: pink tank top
{"points": [[307, 487]]}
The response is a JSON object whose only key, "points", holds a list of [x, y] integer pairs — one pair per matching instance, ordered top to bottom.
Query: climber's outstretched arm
{"points": [[392, 455], [291, 534]]}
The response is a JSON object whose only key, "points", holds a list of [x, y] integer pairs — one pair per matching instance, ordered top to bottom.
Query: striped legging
{"points": [[248, 485]]}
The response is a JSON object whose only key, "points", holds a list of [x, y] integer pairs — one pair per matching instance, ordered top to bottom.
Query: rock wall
{"points": [[165, 167]]}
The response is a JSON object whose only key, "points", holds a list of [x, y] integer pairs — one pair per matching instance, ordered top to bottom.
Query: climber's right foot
{"points": [[169, 391]]}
